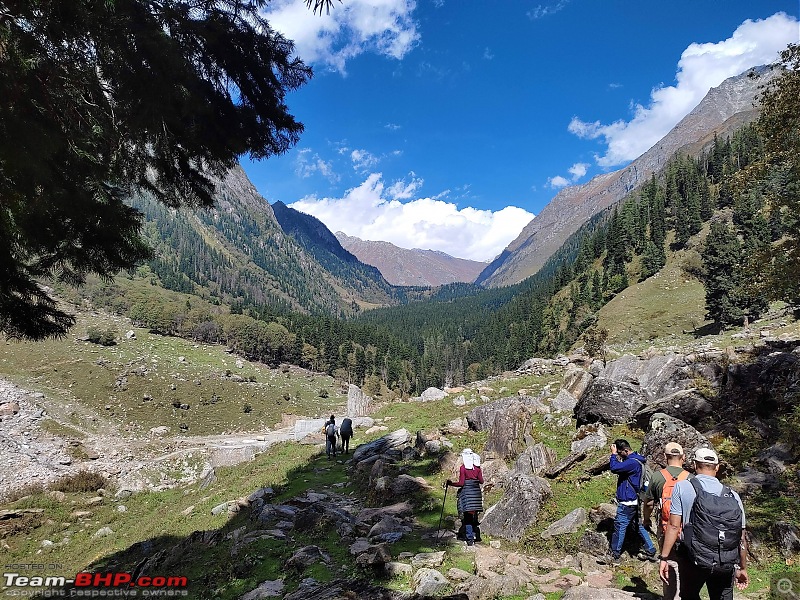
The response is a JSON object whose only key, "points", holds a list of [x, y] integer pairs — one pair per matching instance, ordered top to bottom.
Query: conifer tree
{"points": [[101, 98]]}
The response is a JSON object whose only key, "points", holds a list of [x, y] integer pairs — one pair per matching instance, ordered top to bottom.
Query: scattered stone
{"points": [[568, 524], [103, 532], [428, 559], [398, 569], [429, 582], [267, 589]]}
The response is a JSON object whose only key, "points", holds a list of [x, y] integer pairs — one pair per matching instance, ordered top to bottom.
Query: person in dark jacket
{"points": [[331, 431], [346, 432], [629, 468], [470, 498]]}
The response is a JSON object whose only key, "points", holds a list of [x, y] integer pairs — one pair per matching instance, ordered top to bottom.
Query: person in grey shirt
{"points": [[720, 585]]}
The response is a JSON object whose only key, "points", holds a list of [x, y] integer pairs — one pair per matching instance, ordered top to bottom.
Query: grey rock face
{"points": [[565, 401], [358, 402], [610, 402], [688, 405], [482, 417], [663, 429], [507, 435], [396, 439], [535, 460], [517, 509], [570, 523], [787, 537], [429, 582]]}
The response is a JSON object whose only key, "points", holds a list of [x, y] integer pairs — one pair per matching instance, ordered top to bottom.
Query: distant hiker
{"points": [[331, 431], [346, 432], [630, 468], [659, 494], [470, 499], [713, 539]]}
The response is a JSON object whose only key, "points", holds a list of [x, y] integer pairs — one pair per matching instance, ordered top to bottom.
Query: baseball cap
{"points": [[673, 448], [706, 455]]}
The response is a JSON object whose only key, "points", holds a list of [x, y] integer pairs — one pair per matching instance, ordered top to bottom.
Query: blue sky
{"points": [[448, 124]]}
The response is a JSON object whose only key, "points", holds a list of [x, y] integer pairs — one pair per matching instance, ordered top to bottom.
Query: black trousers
{"points": [[469, 518], [693, 578]]}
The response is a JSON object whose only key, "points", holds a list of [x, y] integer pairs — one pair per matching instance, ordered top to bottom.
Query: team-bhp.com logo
{"points": [[94, 585]]}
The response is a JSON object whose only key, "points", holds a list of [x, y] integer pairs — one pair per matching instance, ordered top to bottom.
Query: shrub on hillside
{"points": [[104, 337], [82, 481]]}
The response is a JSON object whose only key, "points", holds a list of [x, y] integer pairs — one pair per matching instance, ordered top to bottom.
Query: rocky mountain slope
{"points": [[723, 110], [319, 242], [415, 267]]}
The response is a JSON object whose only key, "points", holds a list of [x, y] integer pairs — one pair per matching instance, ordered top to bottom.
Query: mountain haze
{"points": [[723, 110], [415, 267]]}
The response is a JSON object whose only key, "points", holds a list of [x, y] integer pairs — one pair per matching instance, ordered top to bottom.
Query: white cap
{"points": [[706, 455], [467, 456], [476, 459]]}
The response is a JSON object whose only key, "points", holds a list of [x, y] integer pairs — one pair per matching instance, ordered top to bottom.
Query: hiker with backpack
{"points": [[331, 431], [346, 432], [629, 466], [659, 496], [470, 498], [710, 521]]}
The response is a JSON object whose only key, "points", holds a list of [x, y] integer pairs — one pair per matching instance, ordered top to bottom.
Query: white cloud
{"points": [[544, 10], [350, 29], [487, 54], [701, 67], [392, 126], [363, 160], [307, 164], [578, 170], [558, 182], [400, 190], [373, 212]]}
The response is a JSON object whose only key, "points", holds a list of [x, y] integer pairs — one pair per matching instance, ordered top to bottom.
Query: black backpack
{"points": [[346, 430], [645, 476], [714, 531]]}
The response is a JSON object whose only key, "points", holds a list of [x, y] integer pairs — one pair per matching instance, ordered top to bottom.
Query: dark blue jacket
{"points": [[629, 472]]}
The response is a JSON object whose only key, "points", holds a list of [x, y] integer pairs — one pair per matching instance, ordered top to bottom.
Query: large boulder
{"points": [[660, 375], [576, 381], [432, 394], [565, 401], [610, 402], [358, 403], [688, 405], [483, 417], [663, 429], [509, 432], [588, 438], [396, 439], [535, 460], [518, 508], [567, 524]]}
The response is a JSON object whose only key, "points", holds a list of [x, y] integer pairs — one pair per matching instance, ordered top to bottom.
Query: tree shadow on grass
{"points": [[249, 549]]}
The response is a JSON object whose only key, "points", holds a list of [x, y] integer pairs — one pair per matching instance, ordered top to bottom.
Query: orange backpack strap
{"points": [[666, 494]]}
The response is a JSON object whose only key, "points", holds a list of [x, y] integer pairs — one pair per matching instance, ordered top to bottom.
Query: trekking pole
{"points": [[441, 515]]}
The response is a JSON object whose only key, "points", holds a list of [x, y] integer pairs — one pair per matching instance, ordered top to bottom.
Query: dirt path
{"points": [[40, 440]]}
